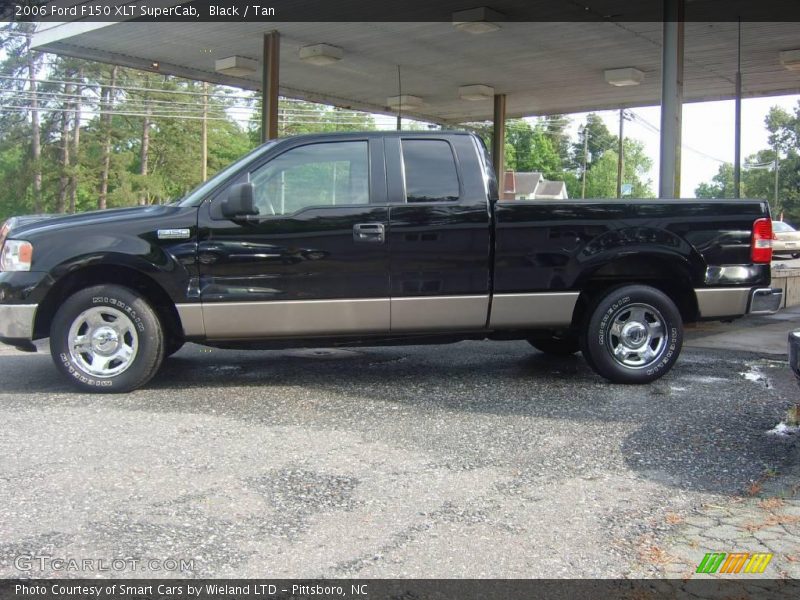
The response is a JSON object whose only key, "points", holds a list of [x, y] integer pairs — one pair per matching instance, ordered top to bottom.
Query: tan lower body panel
{"points": [[722, 302], [549, 309], [437, 313], [192, 319], [243, 320], [252, 320]]}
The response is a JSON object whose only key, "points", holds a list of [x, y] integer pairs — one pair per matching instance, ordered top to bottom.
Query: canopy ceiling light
{"points": [[477, 20], [320, 54], [791, 59], [237, 66], [623, 77], [476, 92], [404, 102]]}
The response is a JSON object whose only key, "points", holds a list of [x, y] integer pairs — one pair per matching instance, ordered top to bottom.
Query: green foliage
{"points": [[597, 139], [544, 146], [529, 148], [174, 149], [758, 173], [601, 180], [720, 186]]}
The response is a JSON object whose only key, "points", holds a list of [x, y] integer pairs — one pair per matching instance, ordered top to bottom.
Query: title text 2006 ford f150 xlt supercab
{"points": [[378, 238]]}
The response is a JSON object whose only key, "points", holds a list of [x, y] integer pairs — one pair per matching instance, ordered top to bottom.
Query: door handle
{"points": [[369, 232]]}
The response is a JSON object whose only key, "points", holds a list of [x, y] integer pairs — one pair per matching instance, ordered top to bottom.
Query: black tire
{"points": [[795, 254], [625, 320], [122, 337], [557, 346]]}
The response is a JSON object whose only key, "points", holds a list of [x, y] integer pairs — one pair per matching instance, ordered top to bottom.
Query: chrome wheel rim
{"points": [[637, 336], [103, 341]]}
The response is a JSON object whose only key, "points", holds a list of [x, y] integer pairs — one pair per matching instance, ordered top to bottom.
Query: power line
{"points": [[113, 112], [162, 115], [642, 121]]}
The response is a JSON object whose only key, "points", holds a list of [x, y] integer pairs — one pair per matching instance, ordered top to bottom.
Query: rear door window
{"points": [[430, 171]]}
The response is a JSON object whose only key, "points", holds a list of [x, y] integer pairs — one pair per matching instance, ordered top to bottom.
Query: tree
{"points": [[32, 63], [18, 88], [107, 94], [297, 117], [555, 128], [597, 139], [529, 148], [760, 178], [601, 179], [720, 186]]}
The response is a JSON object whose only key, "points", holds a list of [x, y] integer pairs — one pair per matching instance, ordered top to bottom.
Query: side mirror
{"points": [[239, 202]]}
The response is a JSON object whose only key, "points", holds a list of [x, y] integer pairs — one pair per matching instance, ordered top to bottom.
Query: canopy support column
{"points": [[270, 77], [669, 185]]}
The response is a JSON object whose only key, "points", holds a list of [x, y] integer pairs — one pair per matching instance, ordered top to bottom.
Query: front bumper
{"points": [[765, 301], [16, 322], [794, 353]]}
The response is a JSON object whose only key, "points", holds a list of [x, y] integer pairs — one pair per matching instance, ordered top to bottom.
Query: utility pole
{"points": [[737, 126], [204, 135], [585, 152], [620, 153], [777, 202]]}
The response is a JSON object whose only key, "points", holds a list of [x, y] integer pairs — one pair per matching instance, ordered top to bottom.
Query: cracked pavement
{"points": [[478, 459]]}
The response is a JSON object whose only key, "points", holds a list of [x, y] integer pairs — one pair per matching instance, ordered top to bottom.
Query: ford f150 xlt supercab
{"points": [[378, 238]]}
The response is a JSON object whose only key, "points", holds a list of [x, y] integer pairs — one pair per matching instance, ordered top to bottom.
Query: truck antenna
{"points": [[399, 100]]}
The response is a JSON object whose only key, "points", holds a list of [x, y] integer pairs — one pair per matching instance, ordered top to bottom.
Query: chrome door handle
{"points": [[369, 232]]}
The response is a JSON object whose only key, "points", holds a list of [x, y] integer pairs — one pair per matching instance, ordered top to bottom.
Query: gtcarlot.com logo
{"points": [[32, 562], [735, 562]]}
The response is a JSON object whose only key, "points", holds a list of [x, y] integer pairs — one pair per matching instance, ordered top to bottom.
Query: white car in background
{"points": [[785, 239]]}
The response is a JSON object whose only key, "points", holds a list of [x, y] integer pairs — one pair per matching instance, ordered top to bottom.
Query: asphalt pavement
{"points": [[476, 459]]}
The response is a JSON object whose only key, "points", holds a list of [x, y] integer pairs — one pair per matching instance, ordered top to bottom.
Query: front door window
{"points": [[315, 175]]}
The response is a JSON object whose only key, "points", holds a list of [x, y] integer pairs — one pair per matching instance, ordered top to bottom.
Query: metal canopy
{"points": [[542, 68]]}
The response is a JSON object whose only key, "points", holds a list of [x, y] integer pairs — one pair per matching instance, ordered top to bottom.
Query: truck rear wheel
{"points": [[634, 334], [107, 339]]}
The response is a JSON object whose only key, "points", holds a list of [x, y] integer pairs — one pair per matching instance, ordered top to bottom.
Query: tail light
{"points": [[761, 245]]}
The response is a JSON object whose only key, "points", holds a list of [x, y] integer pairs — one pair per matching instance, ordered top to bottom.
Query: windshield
{"points": [[198, 194], [781, 227]]}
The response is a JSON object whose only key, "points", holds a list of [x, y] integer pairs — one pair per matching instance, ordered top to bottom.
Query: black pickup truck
{"points": [[377, 238]]}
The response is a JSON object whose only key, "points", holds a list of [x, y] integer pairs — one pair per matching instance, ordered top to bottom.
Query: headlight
{"points": [[16, 256]]}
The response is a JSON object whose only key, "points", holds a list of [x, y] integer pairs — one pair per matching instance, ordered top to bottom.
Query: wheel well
{"points": [[109, 274], [668, 276]]}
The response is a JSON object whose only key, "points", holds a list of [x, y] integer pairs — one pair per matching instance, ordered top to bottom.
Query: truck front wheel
{"points": [[634, 334], [107, 339]]}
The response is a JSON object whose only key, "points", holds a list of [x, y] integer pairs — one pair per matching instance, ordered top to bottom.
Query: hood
{"points": [[19, 226]]}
